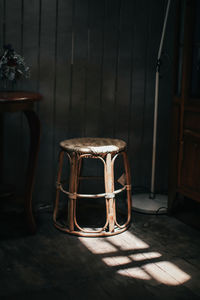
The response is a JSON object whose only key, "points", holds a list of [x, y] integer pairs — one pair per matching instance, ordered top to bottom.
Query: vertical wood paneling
{"points": [[2, 21], [112, 23], [155, 29], [2, 30], [140, 34], [31, 40], [95, 41], [29, 46], [94, 63], [63, 66], [123, 70], [63, 74], [165, 104], [77, 109], [13, 122], [45, 174]]}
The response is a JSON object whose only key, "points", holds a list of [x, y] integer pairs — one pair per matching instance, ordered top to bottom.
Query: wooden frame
{"points": [[184, 107]]}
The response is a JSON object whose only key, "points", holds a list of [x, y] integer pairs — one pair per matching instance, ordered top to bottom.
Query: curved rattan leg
{"points": [[80, 163], [60, 164], [108, 176], [128, 183], [73, 184], [84, 232]]}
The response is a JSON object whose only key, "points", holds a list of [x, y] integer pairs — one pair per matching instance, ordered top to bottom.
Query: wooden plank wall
{"points": [[94, 63]]}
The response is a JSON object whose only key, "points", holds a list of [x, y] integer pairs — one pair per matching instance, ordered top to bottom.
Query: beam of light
{"points": [[128, 241], [98, 245], [118, 251], [144, 256], [116, 260], [122, 260], [136, 272], [167, 273]]}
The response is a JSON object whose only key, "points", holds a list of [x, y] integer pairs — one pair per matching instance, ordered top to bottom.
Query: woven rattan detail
{"points": [[93, 145]]}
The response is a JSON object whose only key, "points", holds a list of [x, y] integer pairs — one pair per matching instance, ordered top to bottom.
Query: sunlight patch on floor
{"points": [[128, 241], [98, 245], [118, 252], [143, 256], [116, 260], [136, 272], [167, 273]]}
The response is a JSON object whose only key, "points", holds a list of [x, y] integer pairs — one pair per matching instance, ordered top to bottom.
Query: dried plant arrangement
{"points": [[12, 66]]}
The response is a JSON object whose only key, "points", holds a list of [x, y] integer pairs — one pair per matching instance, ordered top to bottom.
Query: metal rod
{"points": [[164, 29], [152, 195]]}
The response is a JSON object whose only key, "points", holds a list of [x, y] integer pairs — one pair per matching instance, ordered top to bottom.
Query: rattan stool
{"points": [[99, 148]]}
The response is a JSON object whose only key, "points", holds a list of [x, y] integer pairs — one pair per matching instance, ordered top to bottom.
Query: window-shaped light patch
{"points": [[128, 241], [98, 245], [123, 251], [145, 256], [116, 260], [123, 260], [136, 272], [167, 273]]}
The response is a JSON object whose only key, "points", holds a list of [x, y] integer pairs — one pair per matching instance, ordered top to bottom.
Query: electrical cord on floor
{"points": [[144, 190], [45, 207], [162, 207]]}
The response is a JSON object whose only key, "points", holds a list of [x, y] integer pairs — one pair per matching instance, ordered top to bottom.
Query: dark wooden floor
{"points": [[189, 212], [157, 258]]}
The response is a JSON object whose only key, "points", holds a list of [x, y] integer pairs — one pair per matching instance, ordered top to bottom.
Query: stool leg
{"points": [[34, 127], [80, 163], [60, 164], [73, 182], [128, 182], [109, 183]]}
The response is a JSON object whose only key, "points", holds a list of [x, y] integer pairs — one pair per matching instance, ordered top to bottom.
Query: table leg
{"points": [[34, 127], [1, 148]]}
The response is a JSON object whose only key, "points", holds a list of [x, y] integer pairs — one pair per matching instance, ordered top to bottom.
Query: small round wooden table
{"points": [[24, 101]]}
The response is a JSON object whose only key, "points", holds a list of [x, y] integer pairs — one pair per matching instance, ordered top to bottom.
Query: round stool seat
{"points": [[93, 145]]}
